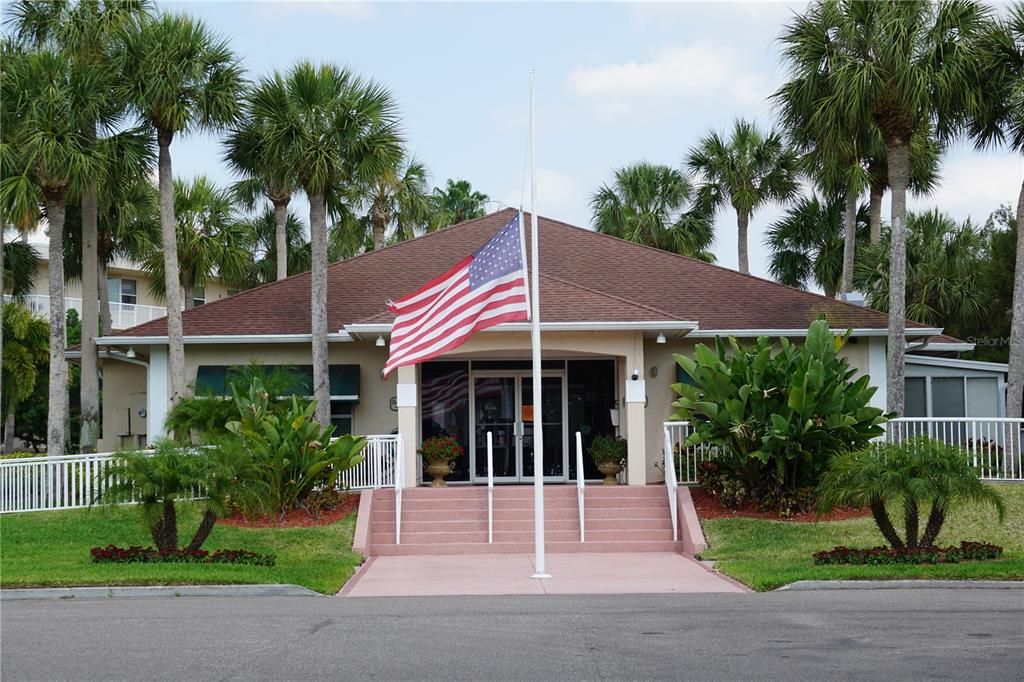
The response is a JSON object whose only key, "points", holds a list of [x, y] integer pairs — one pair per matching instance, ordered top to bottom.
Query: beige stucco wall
{"points": [[124, 389]]}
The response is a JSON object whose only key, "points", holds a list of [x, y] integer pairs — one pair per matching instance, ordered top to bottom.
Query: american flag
{"points": [[480, 291]]}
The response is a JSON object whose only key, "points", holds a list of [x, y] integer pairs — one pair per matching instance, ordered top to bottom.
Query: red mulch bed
{"points": [[707, 507], [297, 519]]}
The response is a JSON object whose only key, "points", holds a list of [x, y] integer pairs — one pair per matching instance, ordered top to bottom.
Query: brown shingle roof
{"points": [[586, 276]]}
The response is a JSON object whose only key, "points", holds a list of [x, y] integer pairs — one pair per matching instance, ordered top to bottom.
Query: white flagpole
{"points": [[538, 432]]}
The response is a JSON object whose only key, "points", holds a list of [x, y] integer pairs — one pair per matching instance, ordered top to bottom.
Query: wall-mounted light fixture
{"points": [[661, 337], [380, 341], [130, 353]]}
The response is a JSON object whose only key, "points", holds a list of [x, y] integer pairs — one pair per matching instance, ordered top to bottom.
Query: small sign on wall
{"points": [[636, 391], [406, 395]]}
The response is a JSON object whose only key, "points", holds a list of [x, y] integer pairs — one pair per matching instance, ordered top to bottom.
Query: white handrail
{"points": [[579, 479], [399, 484], [671, 486], [490, 488]]}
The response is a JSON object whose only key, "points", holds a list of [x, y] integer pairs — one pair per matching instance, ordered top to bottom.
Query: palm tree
{"points": [[88, 34], [903, 65], [178, 77], [49, 96], [1001, 120], [335, 132], [925, 158], [747, 170], [263, 176], [398, 200], [459, 202], [651, 204], [262, 237], [211, 241], [808, 243], [19, 268], [943, 287], [24, 352]]}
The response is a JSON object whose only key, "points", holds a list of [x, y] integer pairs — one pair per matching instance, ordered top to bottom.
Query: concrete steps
{"points": [[453, 520]]}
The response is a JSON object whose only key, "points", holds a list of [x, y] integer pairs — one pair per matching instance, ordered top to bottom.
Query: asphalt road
{"points": [[871, 635]]}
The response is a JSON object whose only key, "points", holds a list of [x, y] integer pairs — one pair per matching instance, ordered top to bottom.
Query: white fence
{"points": [[122, 315], [994, 444], [75, 481]]}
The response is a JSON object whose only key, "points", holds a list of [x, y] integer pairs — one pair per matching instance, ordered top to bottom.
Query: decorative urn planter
{"points": [[440, 454], [439, 468], [610, 471]]}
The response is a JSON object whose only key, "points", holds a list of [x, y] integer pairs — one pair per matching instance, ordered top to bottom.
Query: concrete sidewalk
{"points": [[502, 574]]}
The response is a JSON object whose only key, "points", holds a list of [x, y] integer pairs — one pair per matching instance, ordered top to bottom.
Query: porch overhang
{"points": [[671, 328]]}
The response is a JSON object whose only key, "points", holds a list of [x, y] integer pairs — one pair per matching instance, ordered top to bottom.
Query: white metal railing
{"points": [[122, 315], [994, 443], [687, 458], [76, 481], [579, 481], [399, 484], [671, 486], [490, 488]]}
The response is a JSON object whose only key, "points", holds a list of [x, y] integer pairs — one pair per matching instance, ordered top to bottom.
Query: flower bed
{"points": [[709, 507], [967, 551], [145, 555]]}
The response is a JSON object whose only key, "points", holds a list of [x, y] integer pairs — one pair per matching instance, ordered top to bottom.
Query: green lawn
{"points": [[52, 549], [768, 554]]}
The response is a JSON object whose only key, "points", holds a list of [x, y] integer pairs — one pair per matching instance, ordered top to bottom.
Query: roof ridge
{"points": [[725, 269]]}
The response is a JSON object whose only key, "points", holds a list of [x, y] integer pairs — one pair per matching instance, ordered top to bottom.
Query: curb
{"points": [[810, 585], [88, 593]]}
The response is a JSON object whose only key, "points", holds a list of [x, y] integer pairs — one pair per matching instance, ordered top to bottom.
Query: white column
{"points": [[878, 370], [407, 393], [157, 395], [636, 426]]}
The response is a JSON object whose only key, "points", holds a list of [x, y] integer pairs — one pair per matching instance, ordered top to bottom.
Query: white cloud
{"points": [[712, 73], [975, 185], [558, 196]]}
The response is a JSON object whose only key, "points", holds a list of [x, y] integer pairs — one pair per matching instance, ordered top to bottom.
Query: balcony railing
{"points": [[122, 315]]}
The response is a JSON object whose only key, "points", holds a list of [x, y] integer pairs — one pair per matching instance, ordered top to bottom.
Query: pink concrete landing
{"points": [[489, 574]]}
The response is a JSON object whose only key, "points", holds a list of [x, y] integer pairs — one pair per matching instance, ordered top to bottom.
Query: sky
{"points": [[615, 84]]}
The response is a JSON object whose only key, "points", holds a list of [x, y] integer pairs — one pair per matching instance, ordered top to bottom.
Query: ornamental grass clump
{"points": [[916, 477]]}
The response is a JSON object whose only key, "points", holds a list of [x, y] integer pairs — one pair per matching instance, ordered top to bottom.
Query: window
{"points": [[122, 291], [199, 296], [953, 396], [948, 397], [916, 398], [341, 417]]}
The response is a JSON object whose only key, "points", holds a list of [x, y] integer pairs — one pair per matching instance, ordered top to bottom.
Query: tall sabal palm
{"points": [[88, 33], [903, 65], [178, 77], [47, 96], [1000, 119], [335, 132], [925, 158], [745, 170], [263, 176], [398, 200], [458, 202], [651, 204], [262, 237], [211, 241], [808, 243], [943, 287]]}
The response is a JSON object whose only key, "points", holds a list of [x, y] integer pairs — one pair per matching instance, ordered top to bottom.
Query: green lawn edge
{"points": [[51, 549], [765, 555]]}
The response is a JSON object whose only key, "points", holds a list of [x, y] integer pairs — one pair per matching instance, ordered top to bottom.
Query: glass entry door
{"points": [[502, 403]]}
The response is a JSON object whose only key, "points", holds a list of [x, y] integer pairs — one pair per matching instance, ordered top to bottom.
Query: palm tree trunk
{"points": [[899, 172], [875, 212], [742, 221], [3, 228], [379, 228], [168, 234], [281, 237], [849, 242], [190, 296], [318, 307], [105, 320], [1015, 377], [90, 386], [57, 415], [9, 430], [936, 518], [911, 522], [884, 524], [203, 531], [165, 532]]}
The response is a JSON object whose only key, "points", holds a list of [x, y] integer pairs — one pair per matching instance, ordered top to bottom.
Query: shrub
{"points": [[777, 418], [440, 448], [608, 449], [291, 456], [913, 474], [731, 492], [967, 551], [111, 554]]}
